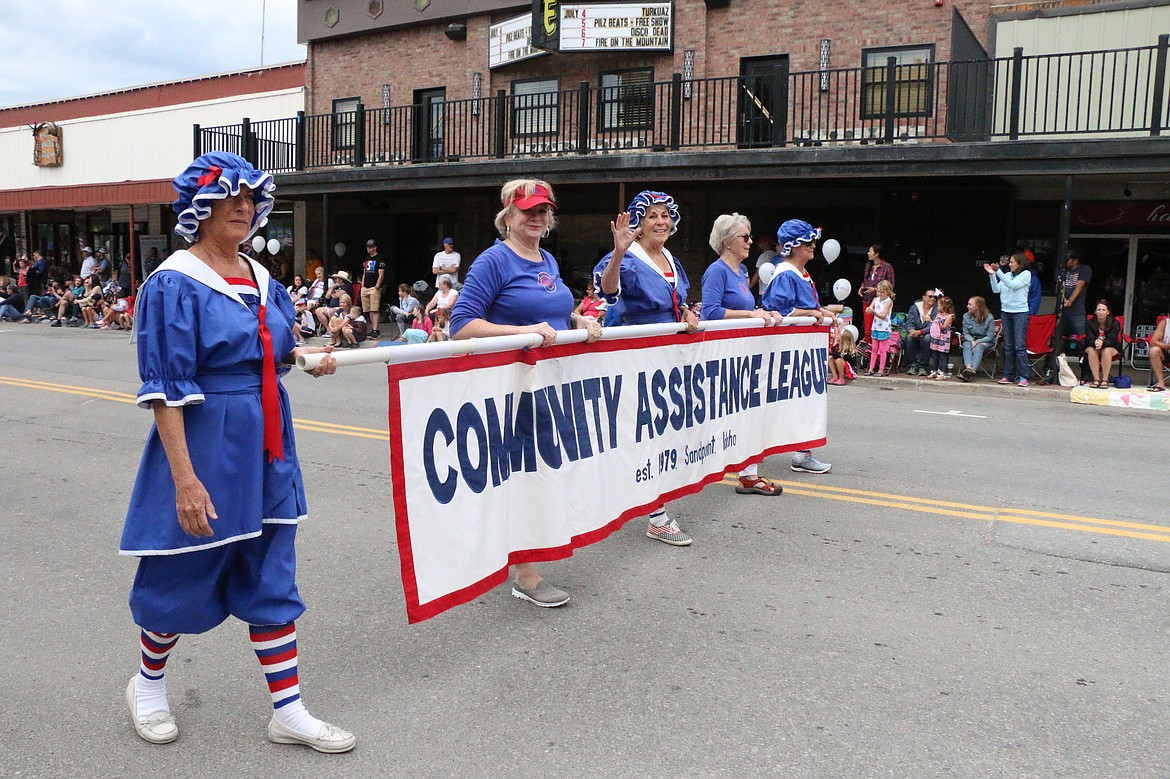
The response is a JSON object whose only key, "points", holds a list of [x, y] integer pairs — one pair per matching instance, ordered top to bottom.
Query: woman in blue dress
{"points": [[642, 276], [515, 287], [727, 295], [217, 499]]}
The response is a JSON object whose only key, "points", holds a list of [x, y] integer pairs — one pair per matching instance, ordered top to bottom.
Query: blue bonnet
{"points": [[215, 176], [646, 198], [793, 232]]}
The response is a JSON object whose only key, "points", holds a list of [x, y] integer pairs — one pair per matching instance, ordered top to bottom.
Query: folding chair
{"points": [[1038, 342], [993, 353]]}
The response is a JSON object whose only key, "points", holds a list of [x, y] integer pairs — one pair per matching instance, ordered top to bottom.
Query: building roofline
{"points": [[154, 85]]}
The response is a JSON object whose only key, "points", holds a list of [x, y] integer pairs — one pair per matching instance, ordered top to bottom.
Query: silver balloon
{"points": [[258, 244], [273, 246], [339, 249], [831, 249]]}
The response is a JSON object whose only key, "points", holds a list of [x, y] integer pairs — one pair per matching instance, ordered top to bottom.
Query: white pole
{"points": [[263, 19], [505, 343]]}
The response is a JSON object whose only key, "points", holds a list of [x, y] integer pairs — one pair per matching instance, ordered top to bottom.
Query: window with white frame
{"points": [[627, 100], [535, 107], [345, 122]]}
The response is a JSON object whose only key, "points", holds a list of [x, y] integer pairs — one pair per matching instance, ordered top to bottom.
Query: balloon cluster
{"points": [[258, 245], [831, 249]]}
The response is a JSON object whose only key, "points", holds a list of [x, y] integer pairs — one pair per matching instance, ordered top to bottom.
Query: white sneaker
{"points": [[810, 464]]}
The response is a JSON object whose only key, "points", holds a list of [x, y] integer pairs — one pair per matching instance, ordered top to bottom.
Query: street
{"points": [[978, 588]]}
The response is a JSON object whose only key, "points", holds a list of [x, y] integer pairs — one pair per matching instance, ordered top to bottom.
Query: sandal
{"points": [[1155, 388], [756, 485]]}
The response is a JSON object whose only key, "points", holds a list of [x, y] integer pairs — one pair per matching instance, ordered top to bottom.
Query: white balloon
{"points": [[258, 244], [273, 246], [339, 249], [831, 249], [766, 271], [842, 288], [852, 330]]}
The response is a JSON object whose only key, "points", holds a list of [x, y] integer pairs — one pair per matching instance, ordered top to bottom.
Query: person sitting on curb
{"points": [[918, 318]]}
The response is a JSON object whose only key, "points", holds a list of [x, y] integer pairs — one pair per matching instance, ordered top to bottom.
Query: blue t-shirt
{"points": [[724, 288], [505, 289], [790, 289]]}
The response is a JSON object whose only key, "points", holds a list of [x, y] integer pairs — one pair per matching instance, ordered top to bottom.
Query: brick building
{"points": [[920, 125]]}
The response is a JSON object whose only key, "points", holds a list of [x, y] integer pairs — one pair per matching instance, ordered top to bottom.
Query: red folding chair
{"points": [[1038, 342]]}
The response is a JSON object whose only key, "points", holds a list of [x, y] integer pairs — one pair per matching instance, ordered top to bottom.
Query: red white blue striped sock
{"points": [[276, 648], [151, 683]]}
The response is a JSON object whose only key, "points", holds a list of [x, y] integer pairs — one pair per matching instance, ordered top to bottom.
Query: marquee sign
{"points": [[617, 27], [511, 41]]}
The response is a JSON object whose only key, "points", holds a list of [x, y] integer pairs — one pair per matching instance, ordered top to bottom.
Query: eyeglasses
{"points": [[745, 237], [930, 297]]}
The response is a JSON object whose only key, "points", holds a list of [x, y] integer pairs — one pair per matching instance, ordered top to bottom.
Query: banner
{"points": [[524, 456]]}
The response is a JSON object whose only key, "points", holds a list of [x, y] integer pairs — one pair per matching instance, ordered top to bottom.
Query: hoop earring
{"points": [[547, 231]]}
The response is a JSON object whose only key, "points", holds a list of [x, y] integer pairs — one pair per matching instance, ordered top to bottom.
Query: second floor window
{"points": [[913, 81], [627, 100], [535, 107], [344, 122]]}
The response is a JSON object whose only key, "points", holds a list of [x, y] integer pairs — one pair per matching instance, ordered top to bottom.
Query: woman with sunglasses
{"points": [[727, 295]]}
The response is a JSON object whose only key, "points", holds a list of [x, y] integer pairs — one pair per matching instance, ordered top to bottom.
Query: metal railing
{"points": [[1113, 93]]}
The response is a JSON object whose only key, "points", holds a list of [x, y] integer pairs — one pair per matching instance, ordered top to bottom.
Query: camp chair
{"points": [[1038, 342], [990, 369]]}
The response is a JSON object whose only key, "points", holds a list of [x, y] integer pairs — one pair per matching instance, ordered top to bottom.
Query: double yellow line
{"points": [[122, 397], [1109, 527]]}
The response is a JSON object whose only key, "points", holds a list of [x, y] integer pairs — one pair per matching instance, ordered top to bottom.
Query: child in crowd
{"points": [[354, 330], [441, 330], [879, 331], [940, 339], [841, 358]]}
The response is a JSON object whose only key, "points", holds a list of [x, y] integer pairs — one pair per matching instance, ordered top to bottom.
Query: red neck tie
{"points": [[269, 397]]}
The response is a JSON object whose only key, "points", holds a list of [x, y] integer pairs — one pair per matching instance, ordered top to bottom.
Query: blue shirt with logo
{"points": [[505, 289]]}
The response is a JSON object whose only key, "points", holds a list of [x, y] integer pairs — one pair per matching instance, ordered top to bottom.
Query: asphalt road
{"points": [[977, 591]]}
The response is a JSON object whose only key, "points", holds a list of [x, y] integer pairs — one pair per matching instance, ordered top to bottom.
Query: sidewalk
{"points": [[1135, 398]]}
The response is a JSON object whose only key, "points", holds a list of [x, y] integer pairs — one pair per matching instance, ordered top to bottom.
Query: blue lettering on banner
{"points": [[554, 425]]}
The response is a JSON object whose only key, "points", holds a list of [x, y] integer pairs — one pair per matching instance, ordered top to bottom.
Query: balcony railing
{"points": [[1113, 93]]}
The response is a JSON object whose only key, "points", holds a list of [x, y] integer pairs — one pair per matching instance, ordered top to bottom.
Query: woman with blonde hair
{"points": [[515, 287], [726, 295], [978, 336]]}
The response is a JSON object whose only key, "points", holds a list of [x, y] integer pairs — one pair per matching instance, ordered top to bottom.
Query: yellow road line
{"points": [[312, 425], [969, 511], [1097, 525]]}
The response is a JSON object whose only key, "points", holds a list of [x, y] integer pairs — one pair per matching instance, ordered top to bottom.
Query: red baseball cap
{"points": [[539, 197]]}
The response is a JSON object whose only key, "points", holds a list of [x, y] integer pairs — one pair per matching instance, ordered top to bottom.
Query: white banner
{"points": [[525, 456]]}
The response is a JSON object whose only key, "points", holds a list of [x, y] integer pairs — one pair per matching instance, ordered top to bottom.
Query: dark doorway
{"points": [[763, 101], [428, 124]]}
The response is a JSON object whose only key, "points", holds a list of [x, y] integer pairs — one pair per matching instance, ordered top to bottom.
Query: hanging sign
{"points": [[617, 27], [511, 41]]}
